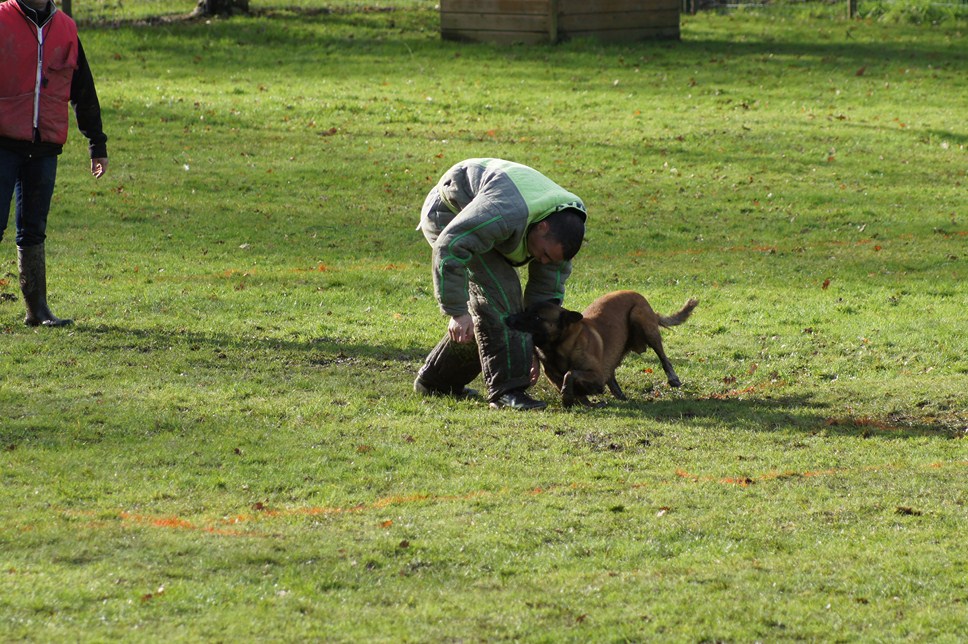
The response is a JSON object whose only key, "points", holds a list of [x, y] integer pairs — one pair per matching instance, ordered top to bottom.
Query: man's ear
{"points": [[542, 227]]}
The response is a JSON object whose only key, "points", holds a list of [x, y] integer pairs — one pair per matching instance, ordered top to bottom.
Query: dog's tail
{"points": [[680, 317]]}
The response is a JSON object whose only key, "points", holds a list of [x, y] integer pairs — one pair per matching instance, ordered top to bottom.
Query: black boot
{"points": [[33, 284]]}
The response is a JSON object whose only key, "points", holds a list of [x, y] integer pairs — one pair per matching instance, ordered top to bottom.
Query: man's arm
{"points": [[87, 110], [470, 234], [546, 282]]}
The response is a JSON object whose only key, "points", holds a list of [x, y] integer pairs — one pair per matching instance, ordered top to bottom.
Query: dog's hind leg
{"points": [[645, 333], [654, 339], [667, 367]]}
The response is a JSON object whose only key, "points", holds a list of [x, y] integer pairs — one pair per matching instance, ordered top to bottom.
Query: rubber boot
{"points": [[33, 284]]}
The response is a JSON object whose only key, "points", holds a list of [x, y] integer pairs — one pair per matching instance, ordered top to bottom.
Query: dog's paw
{"points": [[675, 382]]}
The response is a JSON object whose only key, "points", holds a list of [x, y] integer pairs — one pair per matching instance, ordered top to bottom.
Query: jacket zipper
{"points": [[40, 76]]}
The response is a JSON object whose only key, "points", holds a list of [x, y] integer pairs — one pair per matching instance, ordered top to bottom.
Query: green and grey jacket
{"points": [[492, 203]]}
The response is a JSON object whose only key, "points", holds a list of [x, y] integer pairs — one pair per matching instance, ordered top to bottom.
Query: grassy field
{"points": [[226, 445]]}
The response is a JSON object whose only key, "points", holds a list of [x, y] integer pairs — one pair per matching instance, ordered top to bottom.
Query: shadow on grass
{"points": [[311, 34], [319, 351], [794, 413], [781, 414]]}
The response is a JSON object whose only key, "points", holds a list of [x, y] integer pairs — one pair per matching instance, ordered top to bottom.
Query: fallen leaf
{"points": [[826, 283]]}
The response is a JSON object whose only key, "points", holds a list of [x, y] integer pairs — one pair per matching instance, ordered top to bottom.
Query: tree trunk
{"points": [[65, 6], [221, 7]]}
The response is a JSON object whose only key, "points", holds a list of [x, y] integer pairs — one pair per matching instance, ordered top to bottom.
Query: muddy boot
{"points": [[33, 284]]}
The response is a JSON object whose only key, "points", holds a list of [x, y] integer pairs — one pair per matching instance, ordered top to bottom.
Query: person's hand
{"points": [[99, 166], [461, 328]]}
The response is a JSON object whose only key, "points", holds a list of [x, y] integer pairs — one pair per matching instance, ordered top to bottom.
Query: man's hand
{"points": [[99, 166], [461, 328]]}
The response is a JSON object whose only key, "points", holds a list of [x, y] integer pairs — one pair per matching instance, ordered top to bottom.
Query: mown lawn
{"points": [[226, 445]]}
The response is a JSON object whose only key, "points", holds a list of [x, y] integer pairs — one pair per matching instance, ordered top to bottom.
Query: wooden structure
{"points": [[551, 21]]}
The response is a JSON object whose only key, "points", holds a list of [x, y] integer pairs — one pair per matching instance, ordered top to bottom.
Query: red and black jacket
{"points": [[44, 70]]}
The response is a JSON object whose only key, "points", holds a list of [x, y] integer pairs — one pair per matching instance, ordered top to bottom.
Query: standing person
{"points": [[44, 69], [483, 219]]}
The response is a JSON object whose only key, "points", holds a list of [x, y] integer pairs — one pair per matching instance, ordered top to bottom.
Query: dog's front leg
{"points": [[579, 384], [568, 389], [615, 389], [568, 396]]}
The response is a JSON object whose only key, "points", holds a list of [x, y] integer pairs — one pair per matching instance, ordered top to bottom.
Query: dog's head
{"points": [[545, 321]]}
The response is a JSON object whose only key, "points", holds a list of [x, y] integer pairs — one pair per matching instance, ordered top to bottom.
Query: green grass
{"points": [[226, 445]]}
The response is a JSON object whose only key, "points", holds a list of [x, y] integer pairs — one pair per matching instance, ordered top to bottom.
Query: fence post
{"points": [[553, 21]]}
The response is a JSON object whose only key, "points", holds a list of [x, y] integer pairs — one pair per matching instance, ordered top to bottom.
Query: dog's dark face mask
{"points": [[545, 322]]}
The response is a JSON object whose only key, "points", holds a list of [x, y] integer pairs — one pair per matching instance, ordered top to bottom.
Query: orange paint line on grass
{"points": [[263, 513], [176, 523]]}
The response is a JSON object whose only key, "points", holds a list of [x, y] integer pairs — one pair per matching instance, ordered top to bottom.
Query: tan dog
{"points": [[580, 351]]}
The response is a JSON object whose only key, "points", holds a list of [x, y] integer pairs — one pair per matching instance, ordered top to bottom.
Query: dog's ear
{"points": [[570, 317]]}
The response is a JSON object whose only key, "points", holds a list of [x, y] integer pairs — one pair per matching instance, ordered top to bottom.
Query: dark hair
{"points": [[567, 227]]}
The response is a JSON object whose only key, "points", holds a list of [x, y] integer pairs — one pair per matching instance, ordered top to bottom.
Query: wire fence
{"points": [[916, 11]]}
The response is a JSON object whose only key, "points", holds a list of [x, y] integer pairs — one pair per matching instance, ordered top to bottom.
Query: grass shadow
{"points": [[309, 35], [321, 350], [797, 413]]}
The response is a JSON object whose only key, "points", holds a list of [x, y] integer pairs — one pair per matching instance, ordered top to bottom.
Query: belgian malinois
{"points": [[580, 351]]}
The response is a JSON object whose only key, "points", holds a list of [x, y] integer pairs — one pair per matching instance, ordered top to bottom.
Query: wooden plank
{"points": [[611, 6], [539, 7], [623, 20], [496, 22], [628, 35], [497, 37]]}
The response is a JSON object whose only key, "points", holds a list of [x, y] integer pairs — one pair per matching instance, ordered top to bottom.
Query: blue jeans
{"points": [[31, 181]]}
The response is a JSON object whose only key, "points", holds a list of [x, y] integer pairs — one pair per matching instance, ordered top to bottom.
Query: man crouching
{"points": [[483, 220]]}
